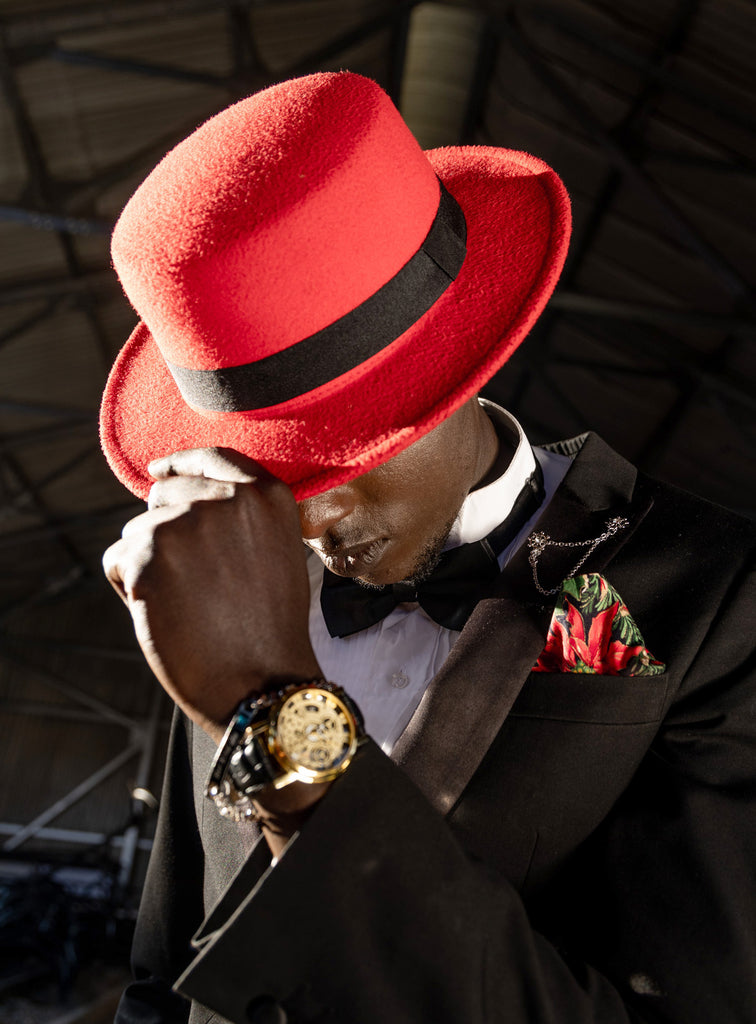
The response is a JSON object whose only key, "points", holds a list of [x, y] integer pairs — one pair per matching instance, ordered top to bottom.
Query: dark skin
{"points": [[405, 507], [215, 579]]}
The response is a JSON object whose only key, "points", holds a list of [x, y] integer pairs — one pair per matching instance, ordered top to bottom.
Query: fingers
{"points": [[213, 463], [202, 474], [212, 474], [183, 490], [249, 503], [147, 521], [123, 560], [111, 564]]}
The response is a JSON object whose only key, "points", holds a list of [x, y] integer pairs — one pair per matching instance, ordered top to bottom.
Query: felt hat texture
{"points": [[250, 248]]}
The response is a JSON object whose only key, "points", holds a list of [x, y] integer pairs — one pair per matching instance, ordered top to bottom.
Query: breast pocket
{"points": [[592, 698], [568, 749]]}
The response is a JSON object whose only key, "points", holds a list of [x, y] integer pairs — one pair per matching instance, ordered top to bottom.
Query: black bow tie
{"points": [[448, 595]]}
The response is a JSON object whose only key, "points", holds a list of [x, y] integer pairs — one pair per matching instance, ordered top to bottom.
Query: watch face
{"points": [[313, 734]]}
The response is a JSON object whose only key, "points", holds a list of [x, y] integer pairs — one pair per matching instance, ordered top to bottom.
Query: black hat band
{"points": [[348, 341]]}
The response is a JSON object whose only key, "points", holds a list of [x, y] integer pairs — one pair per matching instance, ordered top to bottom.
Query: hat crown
{"points": [[274, 219]]}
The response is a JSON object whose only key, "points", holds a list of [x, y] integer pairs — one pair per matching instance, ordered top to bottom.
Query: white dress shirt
{"points": [[387, 667]]}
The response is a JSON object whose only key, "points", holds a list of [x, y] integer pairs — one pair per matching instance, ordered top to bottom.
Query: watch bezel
{"points": [[294, 771]]}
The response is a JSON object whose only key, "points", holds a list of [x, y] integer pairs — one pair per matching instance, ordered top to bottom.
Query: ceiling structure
{"points": [[647, 111]]}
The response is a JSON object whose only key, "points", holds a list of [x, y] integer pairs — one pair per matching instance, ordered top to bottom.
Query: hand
{"points": [[214, 577]]}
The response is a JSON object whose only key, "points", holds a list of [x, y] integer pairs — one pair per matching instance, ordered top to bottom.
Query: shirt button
{"points": [[399, 680]]}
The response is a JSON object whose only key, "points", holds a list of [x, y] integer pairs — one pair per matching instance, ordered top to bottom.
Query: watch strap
{"points": [[251, 767]]}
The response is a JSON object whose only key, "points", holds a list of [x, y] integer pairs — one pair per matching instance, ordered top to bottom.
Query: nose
{"points": [[320, 514]]}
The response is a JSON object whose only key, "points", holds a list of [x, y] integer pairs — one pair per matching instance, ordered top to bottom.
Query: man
{"points": [[552, 651]]}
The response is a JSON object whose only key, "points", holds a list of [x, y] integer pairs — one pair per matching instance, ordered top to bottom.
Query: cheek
{"points": [[437, 486], [417, 494], [425, 502]]}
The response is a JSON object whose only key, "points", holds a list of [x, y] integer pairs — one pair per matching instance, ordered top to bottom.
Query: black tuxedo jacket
{"points": [[539, 848]]}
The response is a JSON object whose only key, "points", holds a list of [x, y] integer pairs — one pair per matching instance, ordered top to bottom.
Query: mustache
{"points": [[332, 543]]}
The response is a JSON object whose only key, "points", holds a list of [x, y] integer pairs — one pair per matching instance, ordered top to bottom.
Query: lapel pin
{"points": [[539, 541]]}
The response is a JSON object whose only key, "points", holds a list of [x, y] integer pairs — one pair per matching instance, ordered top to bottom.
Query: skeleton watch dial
{"points": [[313, 734]]}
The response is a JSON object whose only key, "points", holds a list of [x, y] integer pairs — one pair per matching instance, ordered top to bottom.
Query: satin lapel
{"points": [[467, 702]]}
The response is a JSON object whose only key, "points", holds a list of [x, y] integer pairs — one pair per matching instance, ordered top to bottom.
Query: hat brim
{"points": [[518, 225]]}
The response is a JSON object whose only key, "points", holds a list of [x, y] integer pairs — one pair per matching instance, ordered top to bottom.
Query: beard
{"points": [[425, 562]]}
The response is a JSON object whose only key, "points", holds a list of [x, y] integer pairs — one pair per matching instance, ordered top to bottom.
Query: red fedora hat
{"points": [[317, 292]]}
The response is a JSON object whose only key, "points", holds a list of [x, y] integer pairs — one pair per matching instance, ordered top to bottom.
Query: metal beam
{"points": [[41, 27], [397, 54], [321, 56], [88, 58], [247, 60], [485, 63], [664, 74], [630, 127], [729, 163], [37, 184], [78, 194], [46, 220], [730, 278], [51, 288], [647, 313], [28, 322], [665, 350], [43, 409], [54, 431], [24, 497], [38, 503], [122, 511], [52, 589], [109, 652], [73, 693], [49, 710], [147, 739], [73, 797], [71, 835]]}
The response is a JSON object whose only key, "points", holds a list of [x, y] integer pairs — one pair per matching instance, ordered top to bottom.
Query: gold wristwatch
{"points": [[304, 732]]}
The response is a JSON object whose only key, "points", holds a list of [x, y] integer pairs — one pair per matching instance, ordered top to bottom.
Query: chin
{"points": [[385, 575], [409, 575], [378, 579]]}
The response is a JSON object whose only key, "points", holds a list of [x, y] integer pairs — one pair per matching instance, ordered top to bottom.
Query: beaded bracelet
{"points": [[230, 802]]}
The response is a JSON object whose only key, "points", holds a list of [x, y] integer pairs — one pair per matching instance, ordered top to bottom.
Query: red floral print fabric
{"points": [[592, 631]]}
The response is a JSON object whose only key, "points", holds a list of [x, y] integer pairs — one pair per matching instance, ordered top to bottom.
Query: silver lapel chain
{"points": [[539, 541]]}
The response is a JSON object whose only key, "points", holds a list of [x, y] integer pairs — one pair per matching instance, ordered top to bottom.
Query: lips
{"points": [[356, 560]]}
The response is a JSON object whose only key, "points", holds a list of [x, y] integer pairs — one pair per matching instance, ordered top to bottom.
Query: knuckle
{"points": [[154, 499], [162, 529], [110, 560]]}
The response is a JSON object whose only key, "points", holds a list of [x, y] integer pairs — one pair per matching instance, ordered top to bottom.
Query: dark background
{"points": [[645, 108]]}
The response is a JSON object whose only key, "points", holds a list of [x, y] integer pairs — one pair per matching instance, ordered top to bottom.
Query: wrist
{"points": [[249, 689], [283, 748], [294, 799], [282, 812]]}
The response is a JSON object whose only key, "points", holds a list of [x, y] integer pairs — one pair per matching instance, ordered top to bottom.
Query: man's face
{"points": [[390, 524]]}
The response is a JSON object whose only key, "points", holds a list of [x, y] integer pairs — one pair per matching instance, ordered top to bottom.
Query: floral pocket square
{"points": [[592, 631]]}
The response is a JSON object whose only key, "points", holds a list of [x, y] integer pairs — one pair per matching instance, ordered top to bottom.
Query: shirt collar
{"points": [[484, 508]]}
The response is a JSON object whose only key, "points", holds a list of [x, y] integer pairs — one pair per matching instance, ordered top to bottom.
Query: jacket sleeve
{"points": [[171, 906], [375, 913]]}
